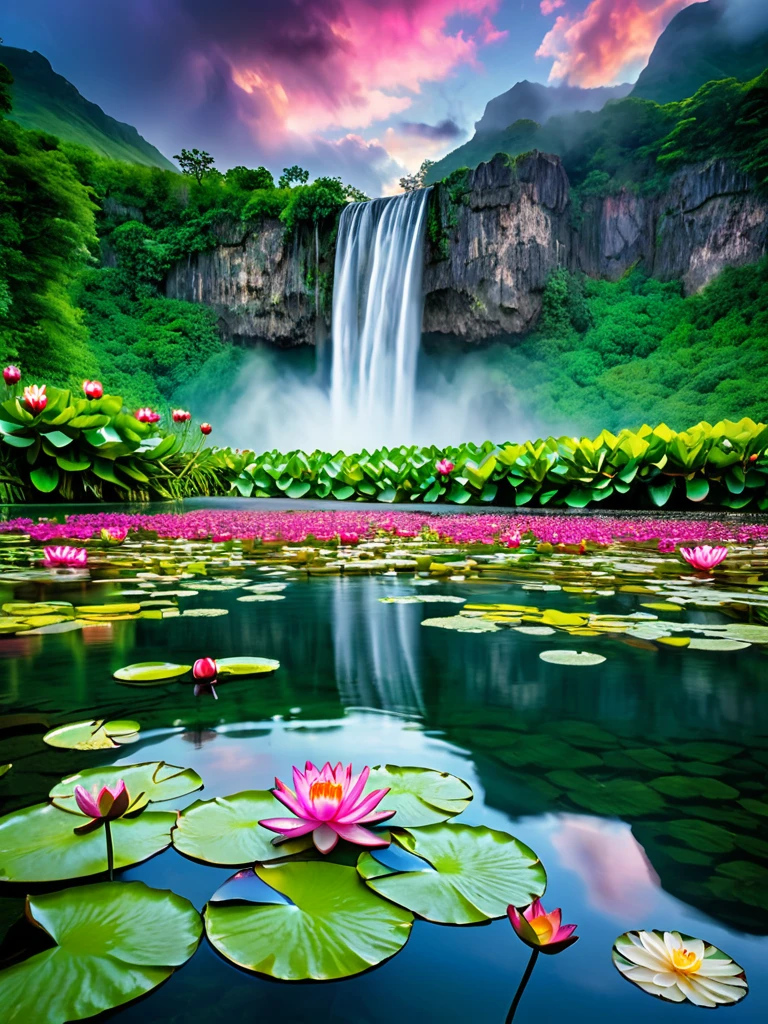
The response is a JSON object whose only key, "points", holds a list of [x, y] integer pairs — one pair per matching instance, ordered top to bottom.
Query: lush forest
{"points": [[85, 243]]}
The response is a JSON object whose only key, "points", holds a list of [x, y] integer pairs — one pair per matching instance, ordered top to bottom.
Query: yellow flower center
{"points": [[327, 790], [543, 928], [685, 962]]}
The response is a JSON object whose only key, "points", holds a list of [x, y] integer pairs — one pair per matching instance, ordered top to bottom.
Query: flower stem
{"points": [[110, 851], [521, 987]]}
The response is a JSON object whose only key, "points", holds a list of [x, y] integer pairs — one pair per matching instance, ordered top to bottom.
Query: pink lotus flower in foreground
{"points": [[11, 375], [93, 388], [35, 398], [147, 415], [444, 467], [114, 534], [348, 537], [63, 555], [704, 557], [204, 668], [329, 803], [106, 805], [540, 930]]}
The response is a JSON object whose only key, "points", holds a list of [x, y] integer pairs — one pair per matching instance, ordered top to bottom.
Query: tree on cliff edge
{"points": [[195, 162]]}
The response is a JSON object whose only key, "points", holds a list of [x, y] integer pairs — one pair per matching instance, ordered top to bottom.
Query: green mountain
{"points": [[703, 43], [47, 102]]}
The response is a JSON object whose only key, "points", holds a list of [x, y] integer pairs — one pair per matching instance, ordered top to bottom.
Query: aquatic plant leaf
{"points": [[254, 598], [108, 609], [204, 613], [462, 623], [747, 632], [697, 644], [571, 658], [245, 666], [146, 672], [94, 735], [703, 750], [5, 768], [149, 782], [681, 787], [420, 796], [610, 798], [226, 830], [39, 844], [470, 873], [334, 926], [115, 941], [641, 958]]}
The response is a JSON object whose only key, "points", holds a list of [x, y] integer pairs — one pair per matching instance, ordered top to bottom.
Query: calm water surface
{"points": [[364, 681]]}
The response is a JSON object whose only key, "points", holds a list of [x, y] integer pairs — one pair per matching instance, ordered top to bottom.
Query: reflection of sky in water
{"points": [[597, 873]]}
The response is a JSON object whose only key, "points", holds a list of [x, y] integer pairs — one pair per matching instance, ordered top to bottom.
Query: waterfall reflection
{"points": [[376, 651]]}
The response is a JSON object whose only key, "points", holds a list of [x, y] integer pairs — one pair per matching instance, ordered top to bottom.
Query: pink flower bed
{"points": [[465, 528]]}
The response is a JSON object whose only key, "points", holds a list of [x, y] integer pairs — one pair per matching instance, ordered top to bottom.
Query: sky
{"points": [[365, 89]]}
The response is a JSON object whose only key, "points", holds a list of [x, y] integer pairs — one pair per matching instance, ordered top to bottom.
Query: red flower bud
{"points": [[11, 375], [93, 388], [206, 428], [204, 668]]}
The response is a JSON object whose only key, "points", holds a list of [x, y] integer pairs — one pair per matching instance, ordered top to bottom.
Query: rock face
{"points": [[513, 222], [495, 234], [263, 284]]}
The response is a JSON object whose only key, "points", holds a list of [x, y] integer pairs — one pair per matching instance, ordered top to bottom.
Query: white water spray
{"points": [[377, 312]]}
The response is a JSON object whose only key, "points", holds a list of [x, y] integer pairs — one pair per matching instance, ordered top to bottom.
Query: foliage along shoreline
{"points": [[61, 447]]}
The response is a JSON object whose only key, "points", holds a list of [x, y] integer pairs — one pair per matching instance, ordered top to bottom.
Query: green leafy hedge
{"points": [[93, 449]]}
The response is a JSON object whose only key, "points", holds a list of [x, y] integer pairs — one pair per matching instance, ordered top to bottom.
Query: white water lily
{"points": [[677, 967]]}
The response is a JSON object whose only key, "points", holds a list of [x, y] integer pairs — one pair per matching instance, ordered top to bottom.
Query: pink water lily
{"points": [[35, 398], [147, 415], [181, 416], [444, 467], [114, 534], [63, 555], [704, 557], [205, 668], [329, 803], [106, 805], [540, 930]]}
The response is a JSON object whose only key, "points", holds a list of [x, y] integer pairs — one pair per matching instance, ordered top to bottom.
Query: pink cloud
{"points": [[550, 6], [608, 41]]}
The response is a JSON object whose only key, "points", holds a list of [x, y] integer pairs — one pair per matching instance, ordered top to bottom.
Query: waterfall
{"points": [[376, 325]]}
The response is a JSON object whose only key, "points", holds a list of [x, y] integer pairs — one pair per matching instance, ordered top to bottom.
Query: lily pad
{"points": [[254, 598], [108, 609], [204, 613], [463, 623], [717, 645], [571, 658], [246, 666], [145, 673], [93, 735], [149, 782], [681, 787], [420, 796], [226, 830], [39, 844], [470, 873], [334, 926], [115, 941]]}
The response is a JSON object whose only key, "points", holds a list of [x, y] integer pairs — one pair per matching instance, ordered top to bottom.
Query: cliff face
{"points": [[510, 225], [495, 235], [263, 285]]}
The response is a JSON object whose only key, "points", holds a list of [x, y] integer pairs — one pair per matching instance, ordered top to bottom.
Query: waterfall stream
{"points": [[377, 313]]}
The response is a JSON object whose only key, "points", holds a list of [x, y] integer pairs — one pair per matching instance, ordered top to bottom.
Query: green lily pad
{"points": [[254, 598], [108, 609], [204, 613], [462, 623], [747, 632], [717, 645], [580, 658], [246, 666], [145, 673], [582, 734], [94, 735], [701, 750], [149, 782], [681, 787], [420, 796], [613, 797], [226, 830], [702, 836], [38, 843], [470, 873], [334, 926], [115, 941]]}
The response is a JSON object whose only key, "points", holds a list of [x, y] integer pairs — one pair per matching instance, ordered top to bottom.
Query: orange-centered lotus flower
{"points": [[704, 557], [329, 803], [107, 805], [541, 930]]}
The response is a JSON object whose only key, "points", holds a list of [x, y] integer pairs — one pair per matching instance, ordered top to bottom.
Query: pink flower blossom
{"points": [[11, 375], [93, 388], [35, 398], [147, 415], [181, 416], [205, 428], [444, 467], [114, 534], [348, 537], [63, 555], [704, 557], [204, 668], [329, 803], [106, 805], [541, 930]]}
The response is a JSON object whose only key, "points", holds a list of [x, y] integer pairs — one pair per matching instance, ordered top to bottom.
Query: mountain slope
{"points": [[703, 43], [46, 101], [510, 120]]}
